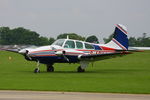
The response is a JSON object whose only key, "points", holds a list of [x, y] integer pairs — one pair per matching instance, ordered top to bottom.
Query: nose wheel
{"points": [[37, 69]]}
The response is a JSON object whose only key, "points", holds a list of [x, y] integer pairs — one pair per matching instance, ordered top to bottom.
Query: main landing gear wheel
{"points": [[50, 68], [80, 69], [36, 70]]}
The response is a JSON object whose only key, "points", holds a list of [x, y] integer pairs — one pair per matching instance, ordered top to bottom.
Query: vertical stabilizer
{"points": [[120, 39]]}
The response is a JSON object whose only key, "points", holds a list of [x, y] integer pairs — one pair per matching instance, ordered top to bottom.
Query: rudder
{"points": [[120, 39]]}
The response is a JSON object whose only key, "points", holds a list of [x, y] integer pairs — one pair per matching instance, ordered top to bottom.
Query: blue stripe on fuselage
{"points": [[97, 47], [43, 52]]}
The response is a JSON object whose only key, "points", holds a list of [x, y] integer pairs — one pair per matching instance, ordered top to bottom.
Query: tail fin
{"points": [[120, 39]]}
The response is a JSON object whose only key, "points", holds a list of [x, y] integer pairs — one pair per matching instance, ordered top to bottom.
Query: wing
{"points": [[11, 50], [96, 57]]}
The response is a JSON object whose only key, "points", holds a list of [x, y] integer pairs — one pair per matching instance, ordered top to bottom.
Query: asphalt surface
{"points": [[41, 95]]}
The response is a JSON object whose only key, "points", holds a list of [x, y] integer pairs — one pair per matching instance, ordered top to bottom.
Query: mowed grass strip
{"points": [[128, 74]]}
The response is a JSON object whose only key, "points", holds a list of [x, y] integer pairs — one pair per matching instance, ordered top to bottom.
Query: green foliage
{"points": [[4, 35], [22, 36], [71, 36], [92, 39], [51, 40], [106, 40], [43, 41], [132, 41], [143, 41], [128, 74]]}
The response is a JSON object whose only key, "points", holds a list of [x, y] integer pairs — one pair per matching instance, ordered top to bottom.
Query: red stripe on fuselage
{"points": [[121, 29], [107, 48], [75, 54]]}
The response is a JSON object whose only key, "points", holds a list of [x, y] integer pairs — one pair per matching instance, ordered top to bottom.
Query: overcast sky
{"points": [[85, 17]]}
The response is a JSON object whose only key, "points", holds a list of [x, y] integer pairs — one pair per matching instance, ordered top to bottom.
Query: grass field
{"points": [[128, 74]]}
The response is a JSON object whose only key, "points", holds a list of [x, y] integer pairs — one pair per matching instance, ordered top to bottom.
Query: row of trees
{"points": [[22, 36], [143, 41]]}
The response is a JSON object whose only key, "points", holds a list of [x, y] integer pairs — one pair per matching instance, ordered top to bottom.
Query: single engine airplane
{"points": [[75, 51]]}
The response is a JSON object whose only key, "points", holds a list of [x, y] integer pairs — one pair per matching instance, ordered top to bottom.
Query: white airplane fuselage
{"points": [[75, 51]]}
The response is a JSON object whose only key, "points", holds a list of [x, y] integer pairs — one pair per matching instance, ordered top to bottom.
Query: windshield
{"points": [[59, 42], [69, 44]]}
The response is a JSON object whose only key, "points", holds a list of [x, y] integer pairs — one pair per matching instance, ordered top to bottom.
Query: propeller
{"points": [[26, 54], [65, 57]]}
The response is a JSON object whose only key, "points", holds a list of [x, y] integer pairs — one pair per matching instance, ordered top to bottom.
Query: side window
{"points": [[69, 44], [79, 45], [88, 46]]}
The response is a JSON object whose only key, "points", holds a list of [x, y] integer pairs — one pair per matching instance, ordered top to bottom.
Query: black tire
{"points": [[50, 69], [80, 69], [36, 70]]}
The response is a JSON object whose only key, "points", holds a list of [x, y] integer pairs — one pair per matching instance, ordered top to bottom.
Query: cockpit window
{"points": [[59, 42], [69, 44], [79, 45], [88, 46]]}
